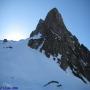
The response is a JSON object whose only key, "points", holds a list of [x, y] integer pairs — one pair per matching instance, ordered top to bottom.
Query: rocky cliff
{"points": [[52, 37]]}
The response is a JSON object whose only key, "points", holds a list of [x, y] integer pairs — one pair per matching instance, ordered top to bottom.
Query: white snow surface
{"points": [[38, 36], [28, 69]]}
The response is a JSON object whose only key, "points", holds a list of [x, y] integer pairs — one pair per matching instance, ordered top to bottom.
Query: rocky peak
{"points": [[53, 16], [54, 20], [38, 28], [52, 37]]}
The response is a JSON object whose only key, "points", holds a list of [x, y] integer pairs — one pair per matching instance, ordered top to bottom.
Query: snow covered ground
{"points": [[23, 68]]}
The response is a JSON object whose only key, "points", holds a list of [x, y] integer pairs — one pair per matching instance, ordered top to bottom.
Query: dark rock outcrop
{"points": [[52, 37], [5, 40]]}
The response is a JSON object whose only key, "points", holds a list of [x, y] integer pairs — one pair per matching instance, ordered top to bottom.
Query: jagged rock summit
{"points": [[52, 37]]}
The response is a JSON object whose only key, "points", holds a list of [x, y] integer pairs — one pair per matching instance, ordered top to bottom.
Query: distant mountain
{"points": [[52, 37]]}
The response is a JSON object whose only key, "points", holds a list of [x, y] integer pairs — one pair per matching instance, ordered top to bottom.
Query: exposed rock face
{"points": [[54, 39]]}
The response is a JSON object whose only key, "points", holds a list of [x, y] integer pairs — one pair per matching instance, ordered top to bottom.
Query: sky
{"points": [[18, 18]]}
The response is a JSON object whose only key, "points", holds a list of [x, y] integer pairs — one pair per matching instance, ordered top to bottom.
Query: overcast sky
{"points": [[22, 16]]}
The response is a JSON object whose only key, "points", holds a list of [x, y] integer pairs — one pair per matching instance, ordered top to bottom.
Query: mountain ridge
{"points": [[55, 39], [22, 67]]}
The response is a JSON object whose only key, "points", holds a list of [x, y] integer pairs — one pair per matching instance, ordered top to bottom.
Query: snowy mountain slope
{"points": [[22, 68]]}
